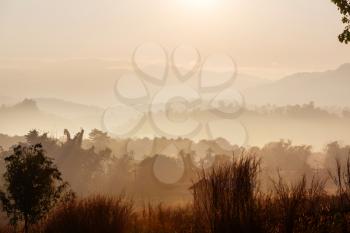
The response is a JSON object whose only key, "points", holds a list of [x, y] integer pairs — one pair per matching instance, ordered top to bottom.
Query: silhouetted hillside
{"points": [[324, 88], [67, 109], [26, 115]]}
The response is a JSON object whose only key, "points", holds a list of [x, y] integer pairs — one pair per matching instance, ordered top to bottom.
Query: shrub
{"points": [[95, 214]]}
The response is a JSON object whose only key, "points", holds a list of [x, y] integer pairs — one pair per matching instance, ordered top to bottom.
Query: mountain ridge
{"points": [[329, 88]]}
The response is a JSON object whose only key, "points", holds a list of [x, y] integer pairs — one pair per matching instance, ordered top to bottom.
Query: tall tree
{"points": [[344, 8], [33, 185]]}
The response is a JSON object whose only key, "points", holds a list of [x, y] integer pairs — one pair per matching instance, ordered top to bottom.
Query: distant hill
{"points": [[244, 81], [324, 88], [5, 100], [27, 106], [67, 109], [18, 119]]}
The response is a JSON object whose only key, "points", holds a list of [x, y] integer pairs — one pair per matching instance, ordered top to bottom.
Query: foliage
{"points": [[344, 8], [98, 136], [33, 184]]}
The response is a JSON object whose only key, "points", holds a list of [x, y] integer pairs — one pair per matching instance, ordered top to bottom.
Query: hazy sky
{"points": [[268, 38]]}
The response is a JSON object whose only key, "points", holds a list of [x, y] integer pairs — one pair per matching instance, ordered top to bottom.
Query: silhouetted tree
{"points": [[344, 8], [32, 136], [98, 136], [33, 185]]}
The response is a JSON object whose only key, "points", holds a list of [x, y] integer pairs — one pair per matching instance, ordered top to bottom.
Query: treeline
{"points": [[299, 110], [163, 169]]}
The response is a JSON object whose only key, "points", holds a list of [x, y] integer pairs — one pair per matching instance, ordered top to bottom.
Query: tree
{"points": [[344, 8], [98, 136], [33, 137], [99, 139], [33, 185]]}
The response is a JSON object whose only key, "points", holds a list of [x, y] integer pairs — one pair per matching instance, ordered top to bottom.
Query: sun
{"points": [[199, 3]]}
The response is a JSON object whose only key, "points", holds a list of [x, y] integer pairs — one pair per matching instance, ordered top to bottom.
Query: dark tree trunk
{"points": [[26, 226]]}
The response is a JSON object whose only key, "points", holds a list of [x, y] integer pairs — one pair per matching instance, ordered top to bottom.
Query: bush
{"points": [[96, 214]]}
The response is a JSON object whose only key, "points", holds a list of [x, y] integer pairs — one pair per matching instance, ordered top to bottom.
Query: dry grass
{"points": [[226, 199], [91, 215], [161, 219]]}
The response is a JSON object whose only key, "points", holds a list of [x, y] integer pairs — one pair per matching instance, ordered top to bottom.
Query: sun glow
{"points": [[200, 3]]}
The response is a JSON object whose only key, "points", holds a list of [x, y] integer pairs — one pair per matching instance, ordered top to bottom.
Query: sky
{"points": [[268, 38], [75, 50]]}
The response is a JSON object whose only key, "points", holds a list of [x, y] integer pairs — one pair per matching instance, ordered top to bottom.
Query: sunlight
{"points": [[199, 3]]}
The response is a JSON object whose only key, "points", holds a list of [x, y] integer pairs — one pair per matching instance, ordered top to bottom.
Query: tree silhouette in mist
{"points": [[33, 185]]}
